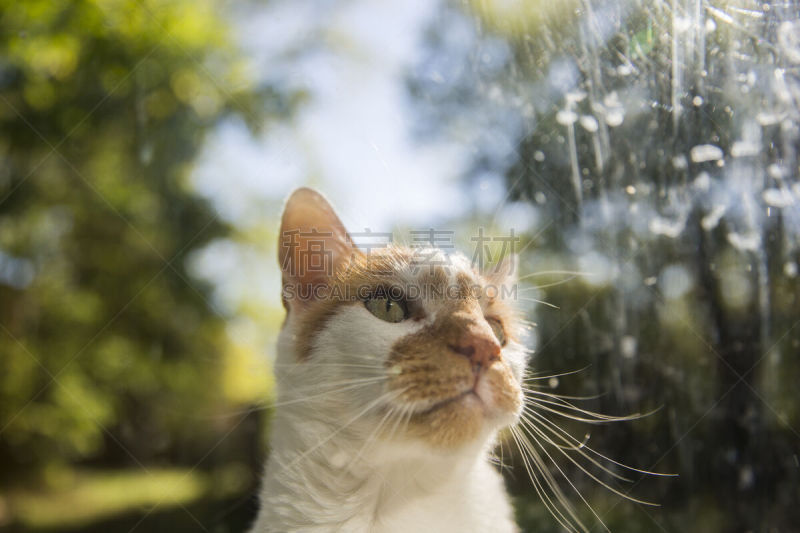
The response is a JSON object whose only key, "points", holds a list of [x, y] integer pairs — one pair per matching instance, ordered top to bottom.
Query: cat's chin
{"points": [[468, 397], [458, 421]]}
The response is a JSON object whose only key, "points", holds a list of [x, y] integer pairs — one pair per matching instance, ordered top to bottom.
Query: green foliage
{"points": [[103, 106], [610, 114]]}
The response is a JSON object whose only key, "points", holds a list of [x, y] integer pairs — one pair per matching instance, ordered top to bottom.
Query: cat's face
{"points": [[431, 339]]}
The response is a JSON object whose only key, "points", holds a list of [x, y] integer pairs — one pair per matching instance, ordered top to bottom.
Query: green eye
{"points": [[386, 308], [498, 330]]}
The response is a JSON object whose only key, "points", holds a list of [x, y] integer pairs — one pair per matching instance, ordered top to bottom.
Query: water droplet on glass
{"points": [[681, 24], [624, 70], [575, 96], [611, 100], [566, 117], [614, 117], [767, 119], [589, 123], [744, 149], [705, 152], [775, 172], [702, 182], [778, 197], [711, 220], [668, 228], [748, 242]]}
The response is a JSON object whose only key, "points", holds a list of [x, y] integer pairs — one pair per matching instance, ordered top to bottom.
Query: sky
{"points": [[352, 138]]}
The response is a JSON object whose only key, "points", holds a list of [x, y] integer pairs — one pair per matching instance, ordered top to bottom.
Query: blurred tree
{"points": [[658, 144], [108, 349]]}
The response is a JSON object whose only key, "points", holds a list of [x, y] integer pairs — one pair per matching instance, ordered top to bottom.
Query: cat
{"points": [[396, 369]]}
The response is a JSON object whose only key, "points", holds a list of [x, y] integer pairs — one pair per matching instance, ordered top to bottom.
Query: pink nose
{"points": [[480, 349]]}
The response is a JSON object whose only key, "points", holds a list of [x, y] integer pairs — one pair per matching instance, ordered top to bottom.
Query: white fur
{"points": [[326, 470]]}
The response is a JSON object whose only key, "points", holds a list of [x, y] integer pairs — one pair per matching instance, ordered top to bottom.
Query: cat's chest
{"points": [[477, 504], [445, 520]]}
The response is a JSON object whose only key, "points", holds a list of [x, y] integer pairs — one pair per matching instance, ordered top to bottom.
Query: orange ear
{"points": [[312, 244]]}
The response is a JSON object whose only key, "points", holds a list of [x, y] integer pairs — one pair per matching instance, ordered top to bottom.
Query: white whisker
{"points": [[573, 273], [548, 285], [535, 300], [536, 376], [560, 396], [381, 399], [596, 418], [531, 425], [553, 427], [592, 476], [569, 481], [540, 490], [572, 523]]}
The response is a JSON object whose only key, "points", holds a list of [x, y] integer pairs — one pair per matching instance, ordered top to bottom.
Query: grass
{"points": [[91, 496]]}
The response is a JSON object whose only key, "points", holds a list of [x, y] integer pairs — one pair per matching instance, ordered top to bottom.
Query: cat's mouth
{"points": [[449, 401], [463, 411]]}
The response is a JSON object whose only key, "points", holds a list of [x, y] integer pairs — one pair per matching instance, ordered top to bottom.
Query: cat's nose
{"points": [[480, 349]]}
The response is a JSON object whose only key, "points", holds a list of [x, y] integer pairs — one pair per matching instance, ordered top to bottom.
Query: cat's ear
{"points": [[312, 245], [504, 273]]}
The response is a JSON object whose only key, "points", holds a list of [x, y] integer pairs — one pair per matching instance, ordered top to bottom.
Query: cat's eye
{"points": [[386, 308], [498, 330]]}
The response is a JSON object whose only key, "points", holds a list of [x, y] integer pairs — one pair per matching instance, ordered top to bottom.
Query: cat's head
{"points": [[414, 344]]}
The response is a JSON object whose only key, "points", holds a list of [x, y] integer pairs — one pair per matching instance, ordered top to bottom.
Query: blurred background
{"points": [[645, 152]]}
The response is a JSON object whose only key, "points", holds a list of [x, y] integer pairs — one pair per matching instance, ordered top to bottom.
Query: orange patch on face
{"points": [[352, 280], [434, 280], [467, 287], [312, 321], [440, 380], [506, 392], [450, 425]]}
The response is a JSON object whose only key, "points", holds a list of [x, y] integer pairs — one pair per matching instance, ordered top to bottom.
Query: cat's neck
{"points": [[386, 486]]}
